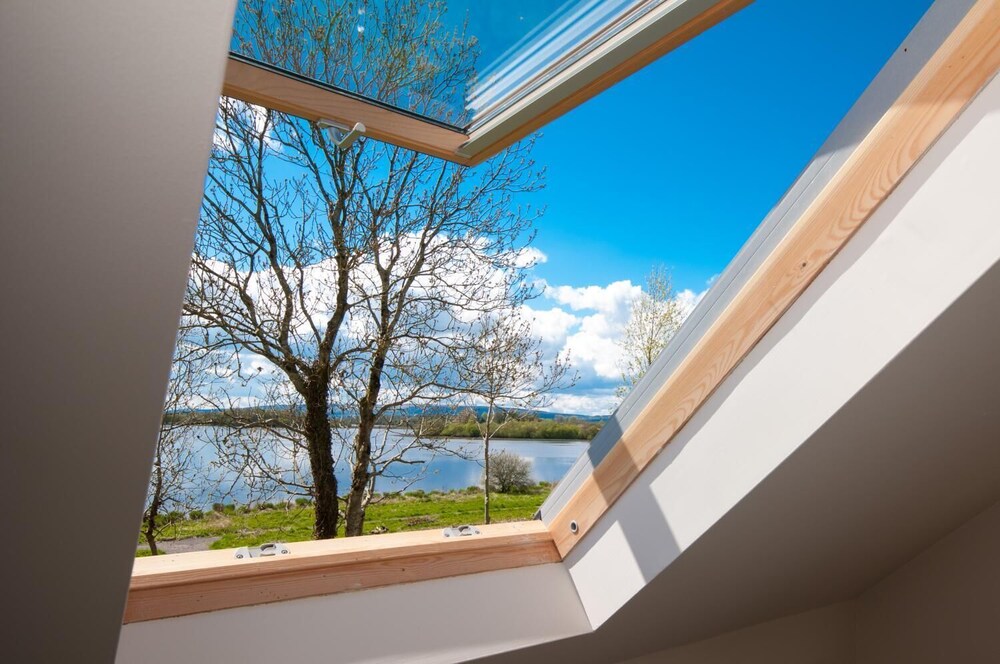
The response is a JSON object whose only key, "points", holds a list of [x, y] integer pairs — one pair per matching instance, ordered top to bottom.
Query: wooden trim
{"points": [[960, 68], [263, 86], [532, 113], [188, 583]]}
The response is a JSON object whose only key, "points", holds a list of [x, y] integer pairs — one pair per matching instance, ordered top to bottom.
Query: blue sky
{"points": [[679, 163]]}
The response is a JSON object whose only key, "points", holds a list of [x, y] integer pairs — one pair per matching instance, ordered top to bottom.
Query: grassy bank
{"points": [[434, 426], [526, 430], [413, 511]]}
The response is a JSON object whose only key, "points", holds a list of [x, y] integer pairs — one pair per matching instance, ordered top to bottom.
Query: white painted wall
{"points": [[107, 110], [934, 236], [943, 606], [938, 608], [446, 620], [821, 636]]}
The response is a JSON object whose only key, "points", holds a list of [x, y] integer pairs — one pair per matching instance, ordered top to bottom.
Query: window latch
{"points": [[341, 136], [461, 531], [262, 551]]}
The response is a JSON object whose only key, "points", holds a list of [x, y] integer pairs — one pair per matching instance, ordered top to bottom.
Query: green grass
{"points": [[526, 429], [414, 511]]}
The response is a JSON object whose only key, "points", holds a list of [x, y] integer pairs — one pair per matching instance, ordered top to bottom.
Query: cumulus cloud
{"points": [[243, 118], [531, 256], [612, 300], [583, 323], [586, 323], [594, 402]]}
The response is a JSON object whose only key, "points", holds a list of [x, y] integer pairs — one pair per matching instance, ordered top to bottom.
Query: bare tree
{"points": [[349, 272], [656, 314], [509, 375], [176, 466]]}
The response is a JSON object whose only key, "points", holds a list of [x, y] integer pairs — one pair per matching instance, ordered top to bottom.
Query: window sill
{"points": [[187, 583]]}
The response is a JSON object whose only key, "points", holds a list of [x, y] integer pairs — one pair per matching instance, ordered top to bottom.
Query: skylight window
{"points": [[478, 75], [358, 354]]}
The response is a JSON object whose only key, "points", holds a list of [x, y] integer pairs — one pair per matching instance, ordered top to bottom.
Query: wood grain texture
{"points": [[664, 45], [964, 63], [261, 86], [188, 583]]}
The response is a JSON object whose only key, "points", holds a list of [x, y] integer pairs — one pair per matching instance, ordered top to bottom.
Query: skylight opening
{"points": [[372, 339]]}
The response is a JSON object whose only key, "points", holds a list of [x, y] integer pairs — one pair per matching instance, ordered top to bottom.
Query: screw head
{"points": [[574, 527]]}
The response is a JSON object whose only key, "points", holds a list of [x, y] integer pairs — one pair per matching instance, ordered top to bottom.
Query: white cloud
{"points": [[229, 139], [531, 256], [612, 300], [688, 300], [584, 322], [587, 324], [595, 402]]}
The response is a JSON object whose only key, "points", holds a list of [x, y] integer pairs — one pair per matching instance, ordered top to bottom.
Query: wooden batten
{"points": [[264, 86], [188, 583]]}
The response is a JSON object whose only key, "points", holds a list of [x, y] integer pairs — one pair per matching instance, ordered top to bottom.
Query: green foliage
{"points": [[509, 473], [196, 515]]}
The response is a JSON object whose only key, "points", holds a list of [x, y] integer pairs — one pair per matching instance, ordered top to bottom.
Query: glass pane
{"points": [[457, 62]]}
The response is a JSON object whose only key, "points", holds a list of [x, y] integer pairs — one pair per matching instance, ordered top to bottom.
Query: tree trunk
{"points": [[319, 438], [486, 463], [360, 474], [486, 488], [156, 500], [150, 534]]}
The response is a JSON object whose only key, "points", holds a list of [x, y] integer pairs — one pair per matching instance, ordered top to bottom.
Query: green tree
{"points": [[654, 319]]}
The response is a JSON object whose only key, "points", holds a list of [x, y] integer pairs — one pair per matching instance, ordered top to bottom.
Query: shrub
{"points": [[509, 473], [303, 502], [218, 507], [196, 515]]}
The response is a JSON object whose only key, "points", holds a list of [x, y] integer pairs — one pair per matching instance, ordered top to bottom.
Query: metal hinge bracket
{"points": [[341, 136]]}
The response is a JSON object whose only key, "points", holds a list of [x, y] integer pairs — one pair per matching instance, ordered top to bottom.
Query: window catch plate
{"points": [[461, 531], [263, 551]]}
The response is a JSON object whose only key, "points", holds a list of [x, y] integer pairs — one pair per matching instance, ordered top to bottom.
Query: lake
{"points": [[457, 466]]}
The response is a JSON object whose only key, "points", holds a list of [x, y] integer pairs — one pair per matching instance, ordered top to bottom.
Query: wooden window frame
{"points": [[655, 34], [189, 583]]}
